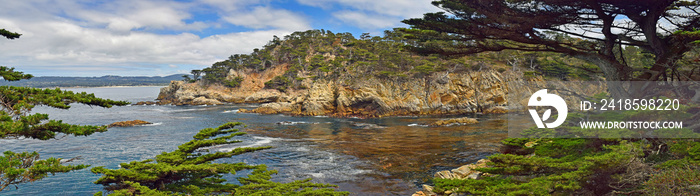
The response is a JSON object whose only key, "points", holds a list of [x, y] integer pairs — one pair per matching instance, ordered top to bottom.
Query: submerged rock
{"points": [[147, 103], [455, 121], [128, 123], [367, 125]]}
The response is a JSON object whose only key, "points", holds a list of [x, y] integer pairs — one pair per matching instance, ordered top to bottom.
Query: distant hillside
{"points": [[56, 81]]}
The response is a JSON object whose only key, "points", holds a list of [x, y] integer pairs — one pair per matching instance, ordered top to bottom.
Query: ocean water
{"points": [[392, 158]]}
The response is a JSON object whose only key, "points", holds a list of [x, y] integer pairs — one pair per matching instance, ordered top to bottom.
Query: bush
{"points": [[233, 83], [280, 83], [677, 181]]}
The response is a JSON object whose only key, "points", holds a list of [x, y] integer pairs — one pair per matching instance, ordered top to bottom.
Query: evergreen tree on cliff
{"points": [[589, 30], [16, 121]]}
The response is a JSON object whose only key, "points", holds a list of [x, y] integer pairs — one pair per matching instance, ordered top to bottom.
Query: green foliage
{"points": [[470, 27], [9, 35], [9, 74], [233, 83], [280, 83], [17, 102], [15, 121], [557, 166], [16, 168], [190, 170], [675, 181]]}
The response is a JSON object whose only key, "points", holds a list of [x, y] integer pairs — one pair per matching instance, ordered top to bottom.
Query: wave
{"points": [[230, 111], [299, 122], [153, 124], [417, 125], [259, 141]]}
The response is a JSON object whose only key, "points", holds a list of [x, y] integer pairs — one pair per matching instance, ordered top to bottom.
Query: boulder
{"points": [[205, 101], [274, 108], [496, 110], [455, 121], [130, 123], [464, 172]]}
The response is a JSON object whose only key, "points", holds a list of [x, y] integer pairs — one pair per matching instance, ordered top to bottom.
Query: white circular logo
{"points": [[541, 98]]}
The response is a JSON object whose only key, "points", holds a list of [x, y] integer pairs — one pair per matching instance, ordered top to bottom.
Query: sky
{"points": [[164, 37]]}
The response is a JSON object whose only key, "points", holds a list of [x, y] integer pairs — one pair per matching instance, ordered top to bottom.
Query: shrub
{"points": [[233, 83], [280, 83]]}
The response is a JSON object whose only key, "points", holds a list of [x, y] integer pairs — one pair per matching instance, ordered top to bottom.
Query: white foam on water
{"points": [[230, 111], [153, 124], [417, 125], [259, 141]]}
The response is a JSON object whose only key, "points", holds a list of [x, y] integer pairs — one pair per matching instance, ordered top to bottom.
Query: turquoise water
{"points": [[393, 160]]}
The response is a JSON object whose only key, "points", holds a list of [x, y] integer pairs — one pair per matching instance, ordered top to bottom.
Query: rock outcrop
{"points": [[440, 93], [455, 121], [130, 123], [463, 172]]}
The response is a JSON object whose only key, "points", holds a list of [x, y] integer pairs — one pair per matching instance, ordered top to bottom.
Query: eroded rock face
{"points": [[440, 93], [437, 94]]}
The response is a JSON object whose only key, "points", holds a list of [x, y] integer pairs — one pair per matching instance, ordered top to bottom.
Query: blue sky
{"points": [[163, 37]]}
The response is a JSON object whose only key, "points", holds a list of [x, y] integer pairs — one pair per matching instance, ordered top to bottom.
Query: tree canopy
{"points": [[591, 30], [16, 104], [191, 170]]}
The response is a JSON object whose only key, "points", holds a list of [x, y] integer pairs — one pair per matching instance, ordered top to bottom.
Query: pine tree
{"points": [[474, 26], [16, 121], [190, 170]]}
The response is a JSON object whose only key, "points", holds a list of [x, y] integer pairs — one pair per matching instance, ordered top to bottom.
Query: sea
{"points": [[378, 156]]}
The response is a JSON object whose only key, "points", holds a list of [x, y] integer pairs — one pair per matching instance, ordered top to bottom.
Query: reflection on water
{"points": [[399, 151], [388, 156]]}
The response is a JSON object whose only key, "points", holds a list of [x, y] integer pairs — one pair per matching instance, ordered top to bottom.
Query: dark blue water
{"points": [[393, 160]]}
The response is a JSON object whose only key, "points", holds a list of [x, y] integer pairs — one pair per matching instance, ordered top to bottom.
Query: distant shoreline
{"points": [[88, 82], [116, 86]]}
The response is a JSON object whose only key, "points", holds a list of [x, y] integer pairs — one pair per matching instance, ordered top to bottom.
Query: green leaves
{"points": [[8, 34], [10, 74], [17, 102], [25, 167], [189, 170]]}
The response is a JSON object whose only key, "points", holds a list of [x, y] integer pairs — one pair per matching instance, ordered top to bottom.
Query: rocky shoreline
{"points": [[437, 94], [464, 172]]}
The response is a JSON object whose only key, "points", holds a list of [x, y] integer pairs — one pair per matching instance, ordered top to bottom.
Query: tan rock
{"points": [[205, 101], [274, 108], [496, 110], [455, 121], [128, 123]]}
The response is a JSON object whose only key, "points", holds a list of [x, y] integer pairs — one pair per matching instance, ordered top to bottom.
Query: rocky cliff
{"points": [[318, 72], [439, 93]]}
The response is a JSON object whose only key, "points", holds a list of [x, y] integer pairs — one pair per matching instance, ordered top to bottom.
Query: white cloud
{"points": [[399, 8], [373, 15], [266, 17], [367, 21], [122, 37], [63, 43]]}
